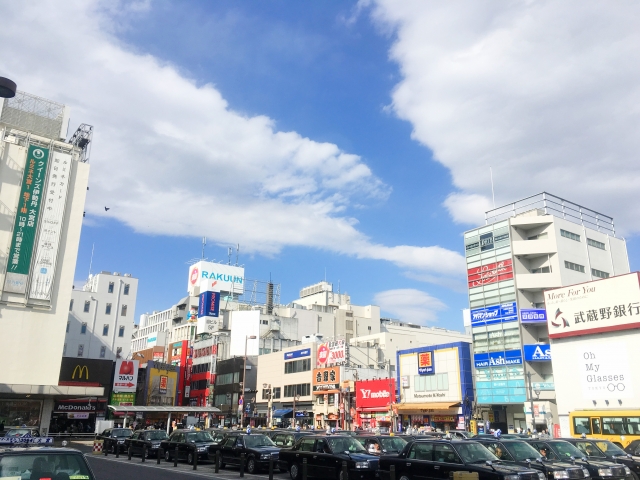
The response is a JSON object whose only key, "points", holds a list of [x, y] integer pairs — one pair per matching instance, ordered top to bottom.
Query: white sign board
{"points": [[53, 208], [215, 277], [595, 307], [244, 324], [332, 354], [605, 370], [126, 376]]}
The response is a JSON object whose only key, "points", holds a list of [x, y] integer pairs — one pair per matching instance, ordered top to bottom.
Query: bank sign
{"points": [[209, 276], [507, 312], [537, 353], [498, 359]]}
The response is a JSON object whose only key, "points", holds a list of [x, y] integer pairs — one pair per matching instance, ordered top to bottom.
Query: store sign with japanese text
{"points": [[491, 273], [606, 305], [507, 312], [533, 315], [537, 353], [332, 354], [497, 359], [426, 363], [126, 377], [326, 380], [375, 393], [124, 399]]}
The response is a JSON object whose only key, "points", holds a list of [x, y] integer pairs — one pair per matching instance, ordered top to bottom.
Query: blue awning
{"points": [[282, 412]]}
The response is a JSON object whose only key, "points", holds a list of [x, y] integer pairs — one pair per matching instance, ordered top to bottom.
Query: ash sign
{"points": [[126, 376]]}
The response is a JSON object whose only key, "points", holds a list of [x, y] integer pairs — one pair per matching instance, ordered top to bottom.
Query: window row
{"points": [[569, 235], [595, 243], [574, 266], [599, 273], [125, 291], [107, 308], [105, 329], [103, 351], [297, 366], [228, 378], [431, 383], [302, 389], [265, 393], [331, 399]]}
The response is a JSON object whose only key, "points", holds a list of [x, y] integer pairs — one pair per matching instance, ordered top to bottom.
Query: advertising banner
{"points": [[55, 200], [26, 221], [491, 273], [208, 276], [209, 304], [600, 306], [507, 312], [533, 315], [306, 352], [537, 353], [332, 354], [497, 359], [426, 363], [604, 370], [85, 372], [126, 377], [326, 380], [162, 384], [375, 393], [125, 399]]}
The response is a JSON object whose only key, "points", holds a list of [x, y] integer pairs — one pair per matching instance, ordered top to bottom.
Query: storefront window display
{"points": [[15, 413]]}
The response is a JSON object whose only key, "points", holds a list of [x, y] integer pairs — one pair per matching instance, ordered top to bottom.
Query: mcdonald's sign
{"points": [[85, 372]]}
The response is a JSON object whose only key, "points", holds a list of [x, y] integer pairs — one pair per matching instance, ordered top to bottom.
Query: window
{"points": [[570, 235], [539, 236], [595, 243], [574, 266], [541, 270], [599, 273], [111, 285], [126, 289], [71, 305], [87, 306], [107, 309], [123, 311], [68, 323], [348, 324], [83, 328], [105, 330], [121, 331], [80, 350], [103, 351], [296, 366], [224, 379], [431, 383], [302, 389], [276, 392], [332, 399], [320, 400], [581, 425], [596, 426], [612, 426], [306, 445], [421, 451], [445, 453]]}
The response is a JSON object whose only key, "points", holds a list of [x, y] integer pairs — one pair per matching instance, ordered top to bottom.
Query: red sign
{"points": [[491, 273], [194, 276], [323, 354], [126, 367], [375, 393]]}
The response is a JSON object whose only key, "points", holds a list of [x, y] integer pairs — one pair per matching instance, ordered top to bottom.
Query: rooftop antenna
{"points": [[493, 195], [204, 243], [229, 252], [237, 253], [91, 261]]}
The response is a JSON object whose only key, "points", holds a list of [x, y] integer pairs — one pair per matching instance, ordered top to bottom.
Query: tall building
{"points": [[43, 185], [528, 246], [101, 317]]}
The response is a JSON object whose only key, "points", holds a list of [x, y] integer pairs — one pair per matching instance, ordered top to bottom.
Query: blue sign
{"points": [[209, 304], [507, 312], [533, 315], [537, 353], [297, 354], [498, 359]]}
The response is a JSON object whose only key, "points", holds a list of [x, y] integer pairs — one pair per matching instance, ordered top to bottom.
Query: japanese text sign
{"points": [[426, 363], [326, 380]]}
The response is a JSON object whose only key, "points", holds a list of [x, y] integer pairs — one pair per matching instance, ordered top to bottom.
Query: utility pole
{"points": [[533, 418]]}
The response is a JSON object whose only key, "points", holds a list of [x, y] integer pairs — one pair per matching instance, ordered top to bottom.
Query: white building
{"points": [[43, 185], [525, 247], [101, 317]]}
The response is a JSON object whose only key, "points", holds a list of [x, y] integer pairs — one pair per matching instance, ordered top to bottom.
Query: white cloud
{"points": [[544, 92], [173, 158], [467, 208], [409, 305]]}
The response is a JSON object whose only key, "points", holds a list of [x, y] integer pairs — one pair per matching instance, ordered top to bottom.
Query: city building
{"points": [[43, 185], [526, 247], [101, 317], [435, 387], [230, 390], [374, 404]]}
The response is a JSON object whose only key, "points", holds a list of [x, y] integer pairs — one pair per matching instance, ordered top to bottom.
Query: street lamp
{"points": [[7, 88], [244, 375], [267, 386], [293, 418]]}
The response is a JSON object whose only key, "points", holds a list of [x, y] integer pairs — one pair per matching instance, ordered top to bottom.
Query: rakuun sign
{"points": [[208, 276]]}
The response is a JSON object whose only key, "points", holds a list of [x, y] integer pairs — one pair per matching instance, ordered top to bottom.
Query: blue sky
{"points": [[351, 137]]}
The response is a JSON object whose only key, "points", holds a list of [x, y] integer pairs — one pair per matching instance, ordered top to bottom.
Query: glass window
{"points": [[570, 235], [595, 243], [574, 266], [599, 273], [111, 285], [126, 289], [87, 306], [107, 309], [123, 311], [68, 323], [83, 328], [105, 330], [121, 331], [64, 349], [80, 350], [103, 351], [118, 352], [595, 422], [581, 425], [632, 425], [612, 426], [306, 445], [588, 450], [421, 451], [445, 453], [49, 465]]}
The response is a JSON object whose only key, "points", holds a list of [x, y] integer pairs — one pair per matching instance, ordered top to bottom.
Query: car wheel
{"points": [[167, 455], [190, 458], [220, 463], [251, 465], [294, 472], [634, 475], [342, 476], [404, 477]]}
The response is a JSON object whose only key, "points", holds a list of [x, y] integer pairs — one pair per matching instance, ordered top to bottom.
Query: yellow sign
{"points": [[80, 369]]}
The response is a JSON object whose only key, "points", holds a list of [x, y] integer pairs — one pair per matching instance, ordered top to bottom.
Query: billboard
{"points": [[26, 220], [44, 267], [491, 273], [207, 276], [606, 305], [208, 311], [507, 312], [533, 315], [244, 324], [305, 352], [332, 353], [537, 353], [498, 359], [426, 364], [604, 370], [85, 372], [126, 376], [326, 380], [161, 384], [375, 393], [125, 399]]}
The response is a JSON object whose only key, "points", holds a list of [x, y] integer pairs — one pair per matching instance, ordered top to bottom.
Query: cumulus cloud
{"points": [[544, 92], [172, 157], [409, 305]]}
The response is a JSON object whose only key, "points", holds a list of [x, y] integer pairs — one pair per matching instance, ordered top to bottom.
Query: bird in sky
{"points": [[106, 209]]}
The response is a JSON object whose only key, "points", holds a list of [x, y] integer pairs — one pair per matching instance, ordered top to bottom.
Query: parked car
{"points": [[22, 432], [217, 434], [459, 434], [506, 436], [150, 438], [114, 439], [284, 439], [185, 440], [382, 444], [633, 448], [555, 449], [596, 449], [258, 450], [521, 453], [325, 454], [439, 459], [44, 462]]}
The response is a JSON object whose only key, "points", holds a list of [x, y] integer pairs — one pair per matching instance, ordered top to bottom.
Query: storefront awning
{"points": [[424, 407], [282, 412]]}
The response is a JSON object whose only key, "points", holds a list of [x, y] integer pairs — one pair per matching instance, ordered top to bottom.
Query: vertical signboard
{"points": [[52, 217], [26, 222], [208, 310], [126, 377]]}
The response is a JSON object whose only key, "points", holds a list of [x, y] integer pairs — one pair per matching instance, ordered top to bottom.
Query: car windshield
{"points": [[17, 432], [122, 432], [156, 435], [197, 437], [252, 441], [344, 443], [393, 444], [610, 448], [565, 450], [521, 451], [473, 452], [49, 465]]}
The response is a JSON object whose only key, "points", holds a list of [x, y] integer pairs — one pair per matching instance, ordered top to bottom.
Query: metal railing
{"points": [[548, 204]]}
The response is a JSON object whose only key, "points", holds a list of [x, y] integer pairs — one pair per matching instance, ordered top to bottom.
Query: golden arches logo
{"points": [[79, 369]]}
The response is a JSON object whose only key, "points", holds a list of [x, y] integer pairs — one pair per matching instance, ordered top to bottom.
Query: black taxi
{"points": [[381, 444], [257, 448], [597, 449], [439, 459], [44, 463]]}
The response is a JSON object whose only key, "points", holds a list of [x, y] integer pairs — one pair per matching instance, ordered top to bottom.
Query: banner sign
{"points": [[26, 222], [51, 227], [491, 273], [209, 304], [507, 312], [533, 315], [537, 353], [297, 354], [332, 354], [498, 359], [426, 363], [85, 372], [126, 377], [326, 380], [375, 393], [122, 399], [24, 440]]}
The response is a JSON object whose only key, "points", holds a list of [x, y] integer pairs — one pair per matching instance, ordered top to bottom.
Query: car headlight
{"points": [[265, 456], [362, 464], [627, 471], [585, 472], [604, 472], [561, 474], [541, 476], [511, 477]]}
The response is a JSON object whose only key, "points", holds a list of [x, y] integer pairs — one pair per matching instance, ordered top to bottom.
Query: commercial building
{"points": [[43, 184], [526, 247], [435, 387], [230, 390], [374, 404]]}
